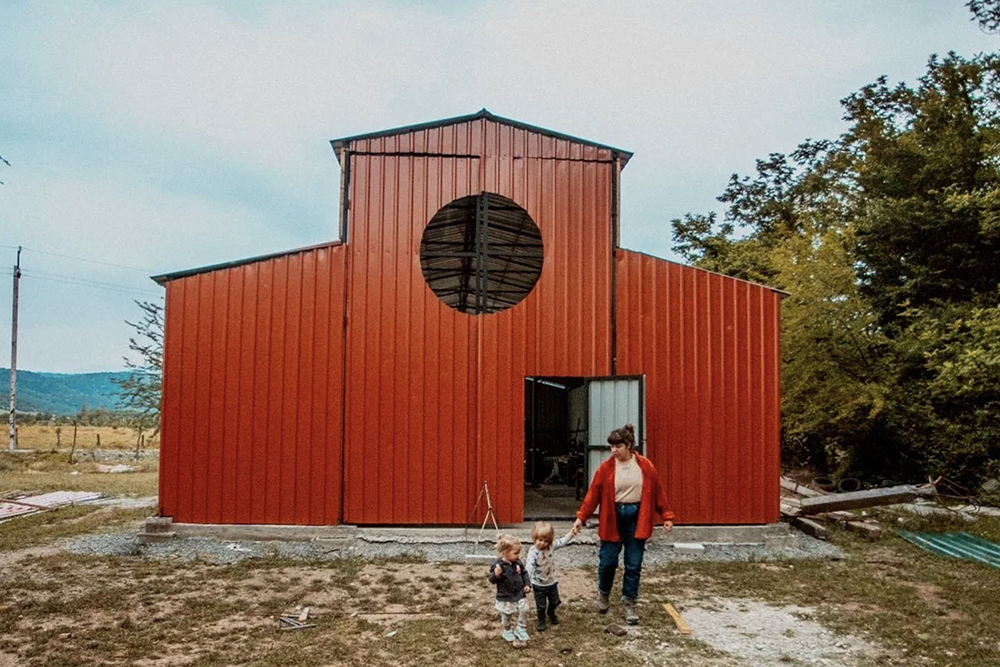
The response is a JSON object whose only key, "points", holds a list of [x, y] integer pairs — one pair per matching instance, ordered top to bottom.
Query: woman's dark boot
{"points": [[603, 604]]}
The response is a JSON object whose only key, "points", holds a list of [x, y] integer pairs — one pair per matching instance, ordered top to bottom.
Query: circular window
{"points": [[481, 253]]}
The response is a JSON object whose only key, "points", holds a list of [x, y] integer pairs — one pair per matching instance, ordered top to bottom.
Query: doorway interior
{"points": [[566, 424], [555, 440]]}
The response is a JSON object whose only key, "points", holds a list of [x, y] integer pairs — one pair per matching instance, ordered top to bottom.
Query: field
{"points": [[49, 437], [883, 603]]}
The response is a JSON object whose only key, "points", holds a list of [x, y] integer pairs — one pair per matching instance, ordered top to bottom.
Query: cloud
{"points": [[173, 135]]}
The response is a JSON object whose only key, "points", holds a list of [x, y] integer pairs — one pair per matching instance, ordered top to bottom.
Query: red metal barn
{"points": [[476, 322]]}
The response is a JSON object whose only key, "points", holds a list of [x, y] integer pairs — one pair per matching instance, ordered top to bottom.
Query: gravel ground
{"points": [[574, 555], [765, 635]]}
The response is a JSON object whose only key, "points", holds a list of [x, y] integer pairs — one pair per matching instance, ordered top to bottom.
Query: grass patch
{"points": [[44, 436], [43, 471], [42, 528]]}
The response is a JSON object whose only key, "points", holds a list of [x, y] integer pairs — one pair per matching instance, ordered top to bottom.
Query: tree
{"points": [[987, 13], [926, 160], [888, 240], [141, 390]]}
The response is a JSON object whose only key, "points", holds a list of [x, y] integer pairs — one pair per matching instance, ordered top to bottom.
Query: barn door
{"points": [[612, 403]]}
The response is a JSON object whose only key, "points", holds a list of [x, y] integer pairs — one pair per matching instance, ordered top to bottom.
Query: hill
{"points": [[61, 393]]}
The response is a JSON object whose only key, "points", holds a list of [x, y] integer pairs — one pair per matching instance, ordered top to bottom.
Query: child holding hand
{"points": [[542, 571], [511, 579]]}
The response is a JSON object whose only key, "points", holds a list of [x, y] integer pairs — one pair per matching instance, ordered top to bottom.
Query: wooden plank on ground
{"points": [[789, 485], [857, 499], [789, 510], [810, 527], [870, 530], [682, 626]]}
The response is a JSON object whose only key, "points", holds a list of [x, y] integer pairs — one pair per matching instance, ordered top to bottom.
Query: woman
{"points": [[631, 497]]}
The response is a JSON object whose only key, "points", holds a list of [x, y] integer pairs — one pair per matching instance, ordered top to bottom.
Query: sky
{"points": [[149, 137]]}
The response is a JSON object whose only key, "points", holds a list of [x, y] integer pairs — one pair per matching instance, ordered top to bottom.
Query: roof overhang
{"points": [[343, 142]]}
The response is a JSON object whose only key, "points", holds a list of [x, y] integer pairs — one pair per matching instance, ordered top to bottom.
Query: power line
{"points": [[83, 259], [84, 282]]}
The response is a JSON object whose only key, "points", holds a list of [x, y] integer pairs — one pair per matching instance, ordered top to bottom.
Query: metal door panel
{"points": [[613, 402]]}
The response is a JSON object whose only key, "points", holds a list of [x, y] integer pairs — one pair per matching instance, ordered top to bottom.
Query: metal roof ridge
{"points": [[483, 113]]}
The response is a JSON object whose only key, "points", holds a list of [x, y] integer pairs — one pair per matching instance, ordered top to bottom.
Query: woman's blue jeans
{"points": [[607, 561]]}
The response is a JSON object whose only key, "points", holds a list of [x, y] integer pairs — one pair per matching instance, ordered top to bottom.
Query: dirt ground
{"points": [[884, 604], [113, 611]]}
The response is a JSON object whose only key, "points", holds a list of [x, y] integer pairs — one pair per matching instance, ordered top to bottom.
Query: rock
{"points": [[616, 630]]}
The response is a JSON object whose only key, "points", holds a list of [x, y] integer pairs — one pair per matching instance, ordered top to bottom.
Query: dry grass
{"points": [[44, 436], [44, 471], [61, 610]]}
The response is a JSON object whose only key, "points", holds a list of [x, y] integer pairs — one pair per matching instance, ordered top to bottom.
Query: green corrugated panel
{"points": [[956, 545]]}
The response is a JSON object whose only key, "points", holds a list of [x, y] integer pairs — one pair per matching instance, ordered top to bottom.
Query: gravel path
{"points": [[575, 555]]}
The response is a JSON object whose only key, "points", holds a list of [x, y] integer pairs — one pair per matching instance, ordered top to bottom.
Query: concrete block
{"points": [[150, 538]]}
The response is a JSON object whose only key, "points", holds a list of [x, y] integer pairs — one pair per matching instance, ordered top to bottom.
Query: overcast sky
{"points": [[164, 136]]}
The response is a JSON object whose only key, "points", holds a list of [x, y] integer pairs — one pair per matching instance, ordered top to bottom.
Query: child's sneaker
{"points": [[552, 618], [541, 625], [521, 634], [508, 635]]}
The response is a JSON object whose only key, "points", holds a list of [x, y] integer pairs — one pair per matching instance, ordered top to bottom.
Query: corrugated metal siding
{"points": [[708, 346], [254, 374], [422, 376], [252, 392], [611, 404], [956, 545]]}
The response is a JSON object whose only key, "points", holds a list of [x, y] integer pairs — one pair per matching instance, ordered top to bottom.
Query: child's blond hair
{"points": [[543, 530], [506, 543]]}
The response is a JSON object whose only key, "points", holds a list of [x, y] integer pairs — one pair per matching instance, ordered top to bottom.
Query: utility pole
{"points": [[13, 358]]}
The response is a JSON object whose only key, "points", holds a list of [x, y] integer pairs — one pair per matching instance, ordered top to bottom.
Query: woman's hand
{"points": [[668, 526], [575, 530]]}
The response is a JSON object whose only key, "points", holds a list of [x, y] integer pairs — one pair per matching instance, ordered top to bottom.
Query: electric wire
{"points": [[80, 259], [83, 282]]}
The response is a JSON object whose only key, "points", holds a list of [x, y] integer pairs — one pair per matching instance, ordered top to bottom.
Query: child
{"points": [[542, 571], [512, 584]]}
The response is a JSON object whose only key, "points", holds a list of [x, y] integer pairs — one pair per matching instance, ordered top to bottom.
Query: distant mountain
{"points": [[61, 393]]}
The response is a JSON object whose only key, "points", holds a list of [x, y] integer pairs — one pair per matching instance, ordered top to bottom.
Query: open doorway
{"points": [[566, 424], [555, 439]]}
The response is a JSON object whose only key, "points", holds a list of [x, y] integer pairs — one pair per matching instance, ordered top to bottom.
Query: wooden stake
{"points": [[682, 626]]}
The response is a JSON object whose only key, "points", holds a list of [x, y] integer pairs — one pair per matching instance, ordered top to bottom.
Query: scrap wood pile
{"points": [[808, 508]]}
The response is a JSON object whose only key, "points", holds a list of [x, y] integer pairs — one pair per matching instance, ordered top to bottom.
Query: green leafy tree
{"points": [[927, 162], [887, 240]]}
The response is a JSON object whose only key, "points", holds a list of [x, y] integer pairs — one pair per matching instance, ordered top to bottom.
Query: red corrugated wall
{"points": [[708, 346], [252, 392], [435, 398], [431, 400]]}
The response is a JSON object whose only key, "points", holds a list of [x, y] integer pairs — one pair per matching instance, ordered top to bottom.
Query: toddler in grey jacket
{"points": [[542, 571]]}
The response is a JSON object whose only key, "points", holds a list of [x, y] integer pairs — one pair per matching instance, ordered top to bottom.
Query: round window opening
{"points": [[481, 254]]}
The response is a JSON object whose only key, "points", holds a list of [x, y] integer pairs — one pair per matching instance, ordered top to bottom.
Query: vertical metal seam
{"points": [[615, 175], [345, 204], [298, 386], [225, 398], [478, 466]]}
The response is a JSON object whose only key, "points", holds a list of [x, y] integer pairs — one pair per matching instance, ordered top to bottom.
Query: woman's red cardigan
{"points": [[653, 505]]}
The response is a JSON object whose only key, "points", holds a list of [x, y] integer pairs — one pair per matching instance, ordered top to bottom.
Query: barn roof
{"points": [[481, 114], [165, 278]]}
